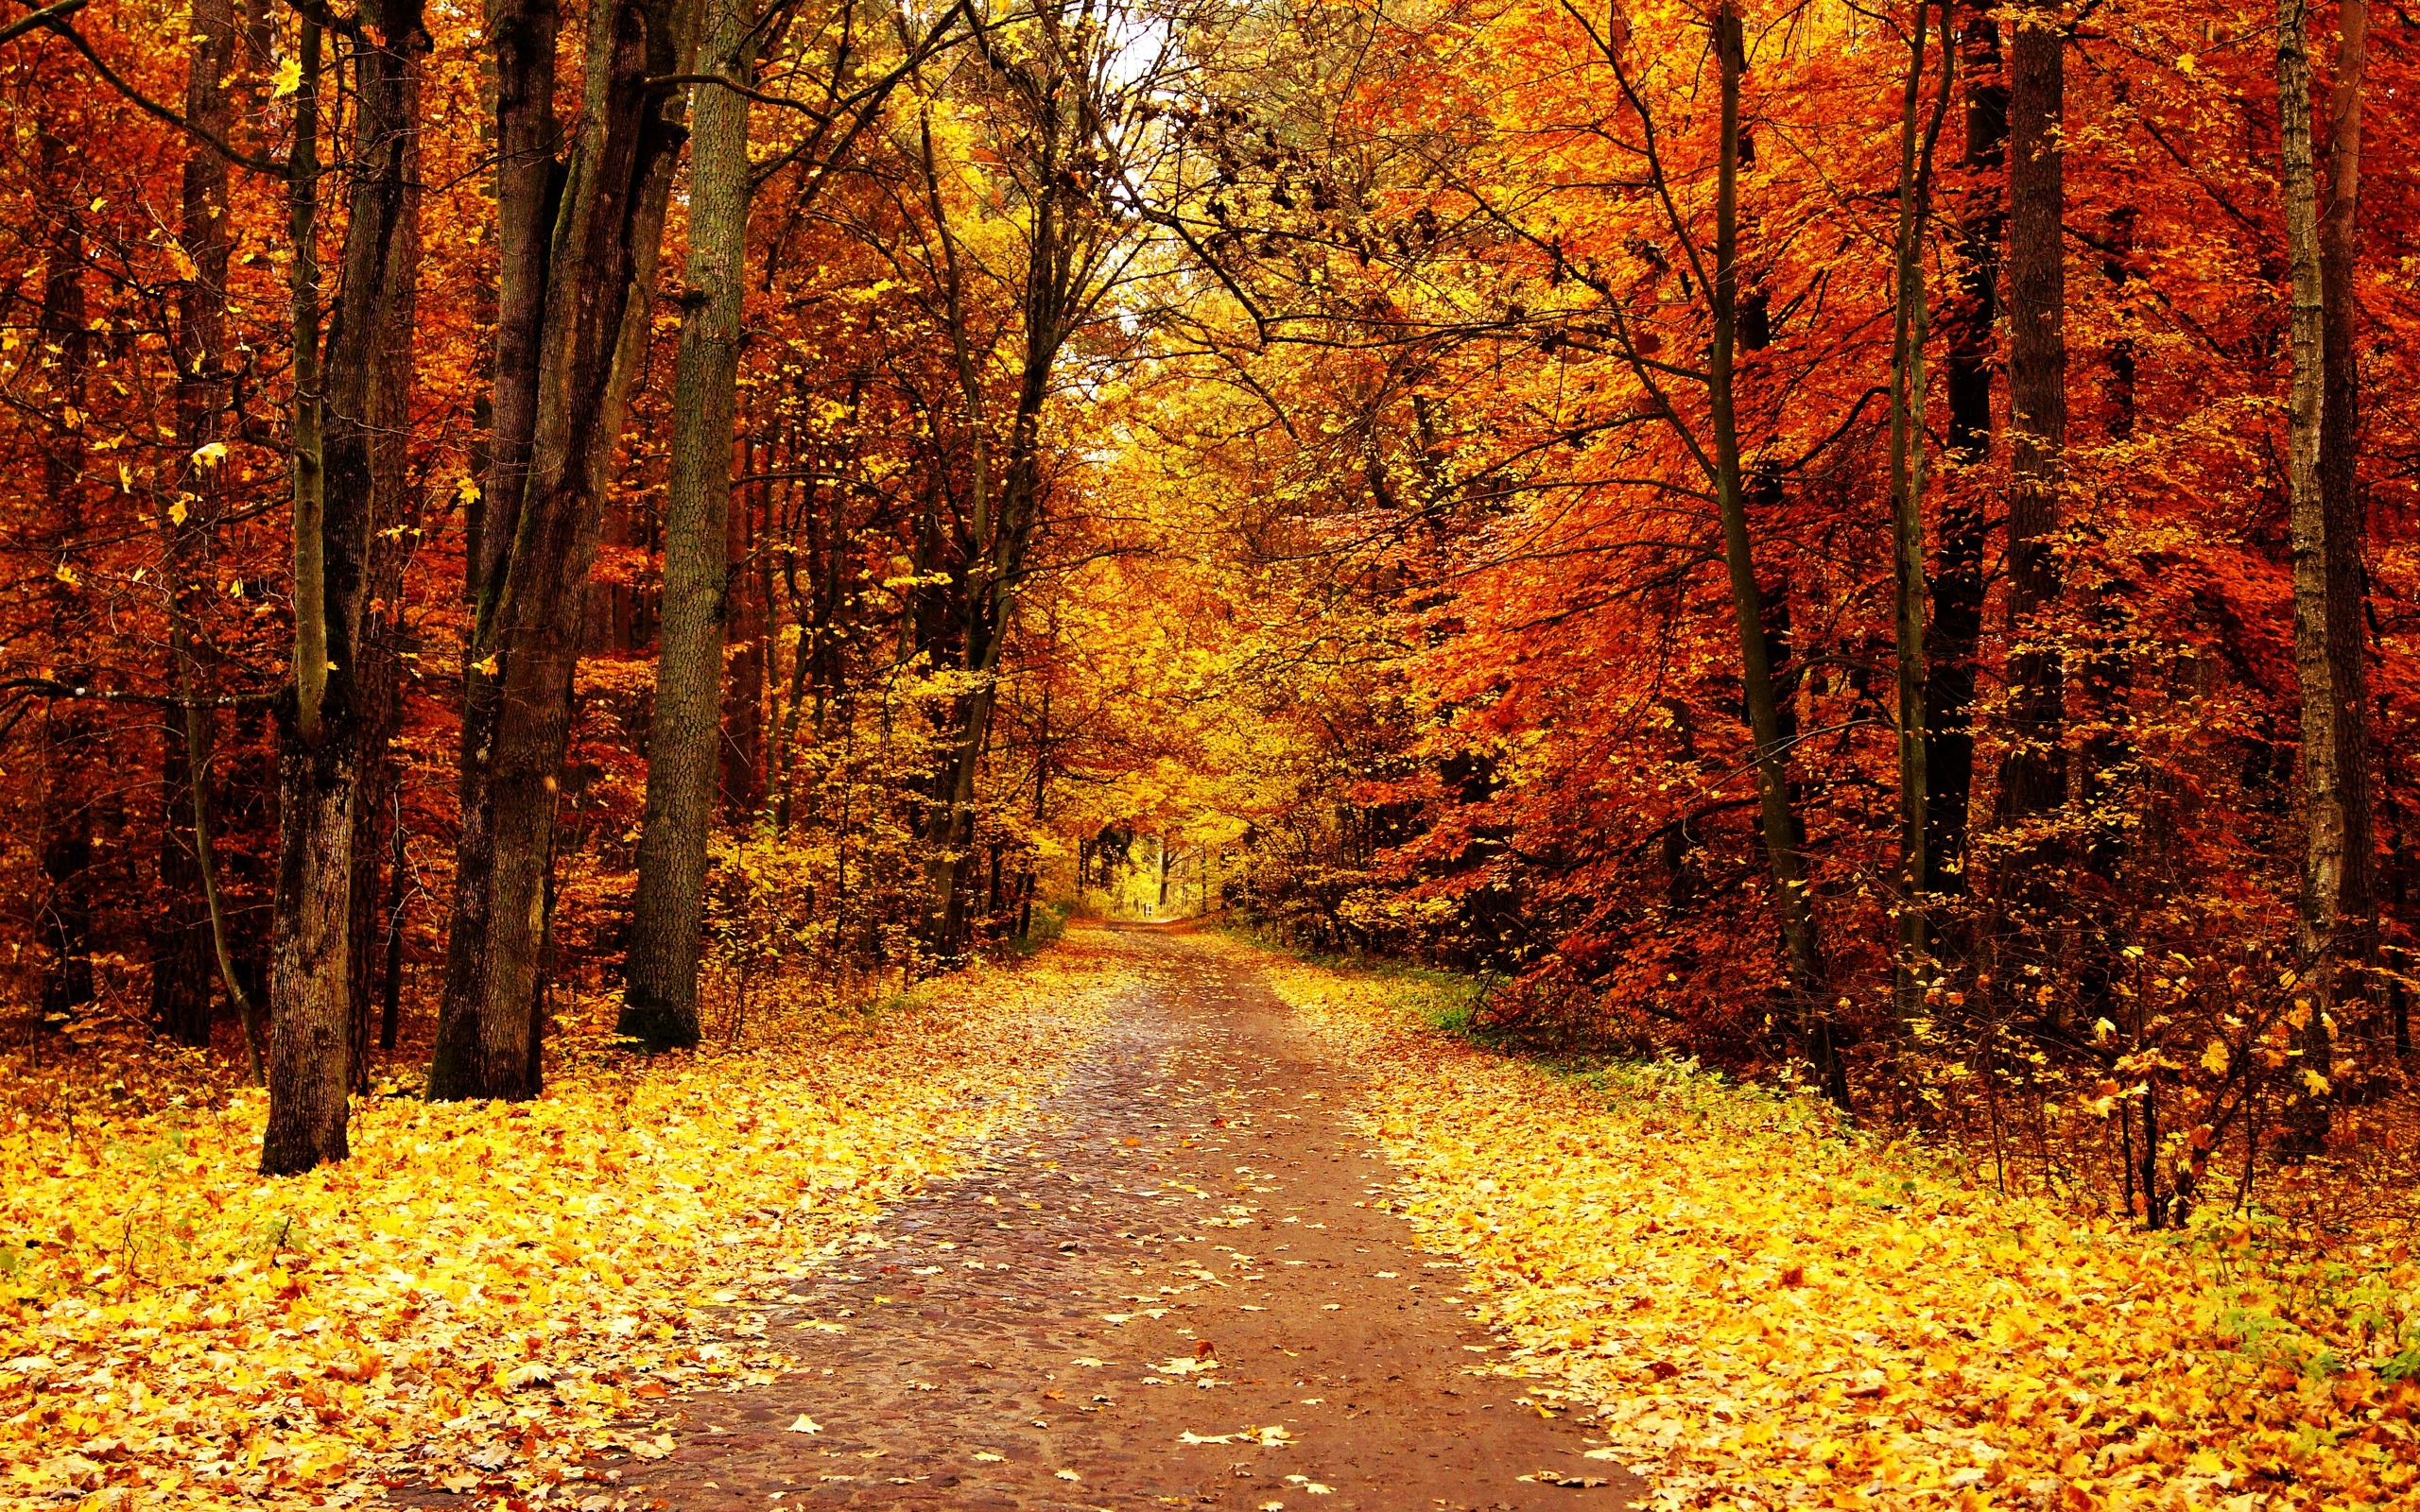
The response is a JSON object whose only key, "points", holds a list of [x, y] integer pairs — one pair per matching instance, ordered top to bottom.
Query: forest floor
{"points": [[1158, 1218], [1178, 1286]]}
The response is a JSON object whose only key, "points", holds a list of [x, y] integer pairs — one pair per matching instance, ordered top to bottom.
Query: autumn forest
{"points": [[1749, 668]]}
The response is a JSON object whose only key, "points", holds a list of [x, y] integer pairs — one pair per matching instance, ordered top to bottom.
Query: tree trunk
{"points": [[528, 187], [1971, 325], [1907, 329], [370, 451], [2342, 502], [746, 617], [518, 705], [335, 726], [196, 747], [2033, 778], [954, 784], [2323, 798], [67, 813], [66, 871], [1791, 903], [180, 930], [181, 934], [391, 977], [660, 983], [310, 992], [308, 1085]]}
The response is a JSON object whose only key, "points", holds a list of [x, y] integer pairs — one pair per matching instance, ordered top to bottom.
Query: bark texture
{"points": [[528, 187], [529, 191], [1909, 321], [350, 409], [367, 451], [2342, 501], [517, 712], [2033, 778], [2323, 798], [660, 984]]}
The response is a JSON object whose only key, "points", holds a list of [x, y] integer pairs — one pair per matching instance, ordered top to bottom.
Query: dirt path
{"points": [[1170, 1292]]}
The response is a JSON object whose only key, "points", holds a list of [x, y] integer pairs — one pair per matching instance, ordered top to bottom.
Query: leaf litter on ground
{"points": [[486, 1296], [1767, 1309]]}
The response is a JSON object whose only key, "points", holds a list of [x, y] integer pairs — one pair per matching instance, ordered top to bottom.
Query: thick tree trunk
{"points": [[528, 187], [1971, 326], [2342, 502], [518, 708], [337, 724], [2034, 777], [2322, 798], [1792, 901], [660, 983], [310, 1064], [307, 1071]]}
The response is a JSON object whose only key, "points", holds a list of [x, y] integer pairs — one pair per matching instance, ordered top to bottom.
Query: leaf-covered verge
{"points": [[486, 1294], [1766, 1308]]}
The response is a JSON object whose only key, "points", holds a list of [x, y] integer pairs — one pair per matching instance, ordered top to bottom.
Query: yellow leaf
{"points": [[287, 78], [2214, 1058]]}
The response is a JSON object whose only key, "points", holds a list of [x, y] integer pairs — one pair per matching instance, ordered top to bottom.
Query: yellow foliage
{"points": [[478, 1274], [1767, 1309]]}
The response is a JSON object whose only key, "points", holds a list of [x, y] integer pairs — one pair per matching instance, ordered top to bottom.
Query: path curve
{"points": [[1116, 1308]]}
